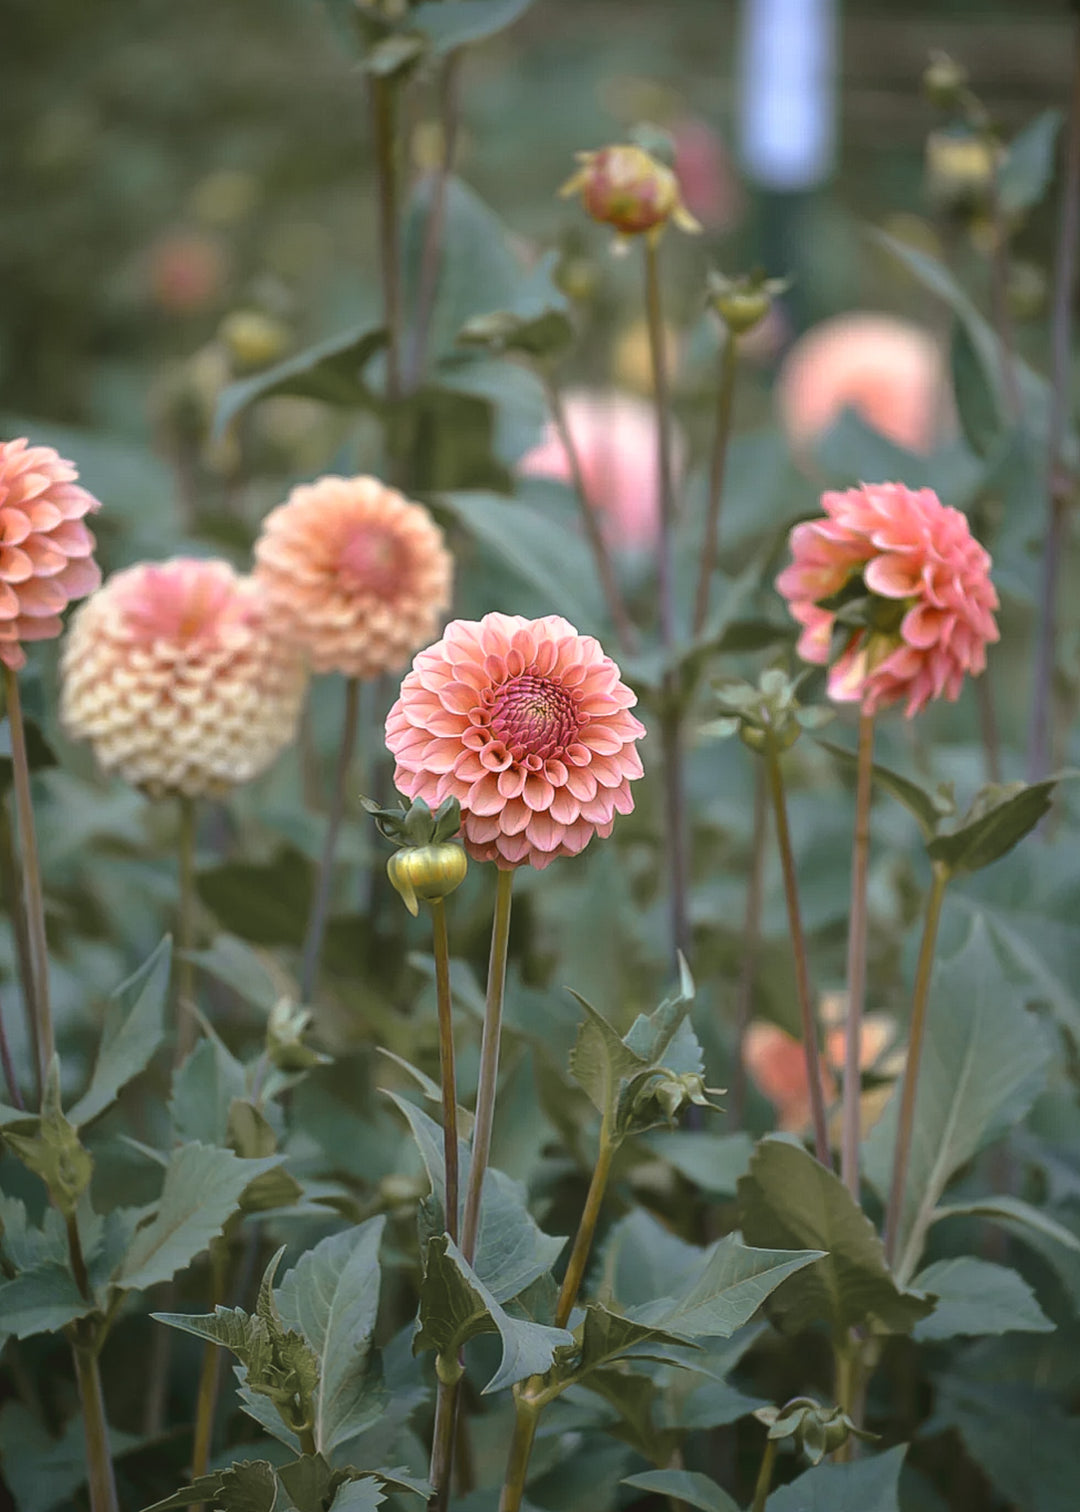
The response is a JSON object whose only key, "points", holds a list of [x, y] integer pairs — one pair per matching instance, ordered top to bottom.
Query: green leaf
{"points": [[451, 26], [1028, 166], [537, 322], [331, 371], [976, 398], [928, 808], [999, 818], [267, 904], [134, 1029], [601, 1061], [983, 1065], [204, 1088], [714, 1162], [203, 1188], [789, 1199], [1015, 1214], [727, 1287], [331, 1296], [977, 1297], [42, 1300], [456, 1306], [608, 1336], [635, 1398], [1027, 1446], [44, 1472], [307, 1480], [867, 1485], [250, 1486], [686, 1486], [362, 1495]]}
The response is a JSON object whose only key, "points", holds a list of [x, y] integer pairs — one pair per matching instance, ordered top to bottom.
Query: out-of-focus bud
{"points": [[945, 81], [959, 170], [630, 190], [225, 198], [576, 277], [1026, 290], [743, 302], [253, 339], [766, 715], [429, 864], [285, 1030], [50, 1147], [813, 1428]]}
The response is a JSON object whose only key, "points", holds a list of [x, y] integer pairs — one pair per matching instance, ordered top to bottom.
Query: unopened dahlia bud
{"points": [[945, 81], [960, 169], [627, 188], [743, 303], [253, 339], [46, 550], [357, 575], [178, 676], [428, 865]]}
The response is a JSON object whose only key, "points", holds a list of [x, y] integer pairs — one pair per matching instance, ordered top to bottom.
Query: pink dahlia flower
{"points": [[703, 167], [889, 371], [615, 438], [46, 550], [357, 573], [931, 599], [176, 675], [527, 724], [776, 1062]]}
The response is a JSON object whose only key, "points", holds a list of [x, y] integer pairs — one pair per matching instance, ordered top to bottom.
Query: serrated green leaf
{"points": [[447, 27], [1028, 165], [331, 370], [998, 820], [134, 1029], [651, 1035], [601, 1060], [984, 1062], [204, 1088], [203, 1189], [789, 1199], [730, 1283], [331, 1296], [976, 1297], [42, 1300], [456, 1306], [608, 1336], [307, 1480], [867, 1485], [250, 1486], [687, 1486], [362, 1495]]}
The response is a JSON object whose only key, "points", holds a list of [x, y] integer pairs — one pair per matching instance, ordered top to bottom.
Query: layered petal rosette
{"points": [[930, 601], [178, 677], [528, 725]]}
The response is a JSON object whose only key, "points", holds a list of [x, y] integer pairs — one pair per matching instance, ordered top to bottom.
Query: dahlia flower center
{"points": [[371, 560], [533, 717]]}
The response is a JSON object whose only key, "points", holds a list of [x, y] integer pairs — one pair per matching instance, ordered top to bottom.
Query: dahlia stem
{"points": [[384, 100], [435, 224], [729, 357], [1060, 484], [605, 570], [671, 717], [775, 777], [31, 868], [11, 880], [316, 930], [751, 941], [856, 958], [920, 1001], [186, 1021], [489, 1064], [9, 1068], [583, 1240], [206, 1399], [526, 1421], [442, 1443], [765, 1475], [102, 1479]]}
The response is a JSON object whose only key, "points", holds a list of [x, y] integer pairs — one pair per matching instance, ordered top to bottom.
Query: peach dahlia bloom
{"points": [[890, 372], [46, 550], [357, 574], [931, 598], [176, 675], [528, 725], [777, 1064]]}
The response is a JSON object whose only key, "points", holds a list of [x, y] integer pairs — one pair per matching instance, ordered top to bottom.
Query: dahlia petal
{"points": [[893, 576]]}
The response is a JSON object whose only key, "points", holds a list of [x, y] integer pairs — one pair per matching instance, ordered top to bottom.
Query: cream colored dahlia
{"points": [[46, 551], [355, 572], [177, 676], [528, 725]]}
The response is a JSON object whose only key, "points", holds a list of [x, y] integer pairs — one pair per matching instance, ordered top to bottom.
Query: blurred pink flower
{"points": [[710, 184], [187, 272], [890, 372], [615, 438], [46, 557], [933, 615], [527, 723], [777, 1064]]}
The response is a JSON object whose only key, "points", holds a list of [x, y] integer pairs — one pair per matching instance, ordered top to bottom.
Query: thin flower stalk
{"points": [[725, 394], [1060, 484], [774, 773], [14, 898], [316, 929], [751, 942], [856, 958], [38, 994], [186, 1019], [917, 1033], [8, 1064], [85, 1340], [210, 1371], [442, 1446], [763, 1483]]}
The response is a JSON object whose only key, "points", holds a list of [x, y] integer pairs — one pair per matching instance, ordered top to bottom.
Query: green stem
{"points": [[729, 353], [605, 571], [31, 868], [14, 896], [316, 929], [751, 942], [798, 947], [856, 959], [920, 1002], [186, 1020], [8, 1064], [489, 1064], [583, 1240], [210, 1372], [844, 1387], [527, 1416], [443, 1436], [307, 1441], [98, 1454], [765, 1475]]}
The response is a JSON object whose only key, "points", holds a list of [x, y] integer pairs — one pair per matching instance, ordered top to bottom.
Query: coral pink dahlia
{"points": [[45, 549], [357, 573], [926, 582], [176, 675], [528, 725]]}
